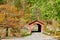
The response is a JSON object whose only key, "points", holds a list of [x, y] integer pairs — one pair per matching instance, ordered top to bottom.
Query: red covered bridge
{"points": [[39, 26]]}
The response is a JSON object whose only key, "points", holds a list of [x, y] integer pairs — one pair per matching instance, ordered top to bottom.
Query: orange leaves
{"points": [[5, 7], [9, 8], [12, 9], [21, 12], [14, 17], [10, 19], [11, 24]]}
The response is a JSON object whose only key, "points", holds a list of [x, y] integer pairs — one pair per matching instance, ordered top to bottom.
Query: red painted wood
{"points": [[37, 22]]}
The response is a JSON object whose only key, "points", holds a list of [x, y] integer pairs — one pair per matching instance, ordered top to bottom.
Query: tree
{"points": [[2, 2]]}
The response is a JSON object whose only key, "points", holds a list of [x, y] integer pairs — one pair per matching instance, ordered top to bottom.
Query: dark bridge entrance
{"points": [[37, 28]]}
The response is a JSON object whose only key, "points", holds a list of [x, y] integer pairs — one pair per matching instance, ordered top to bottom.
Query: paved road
{"points": [[34, 36]]}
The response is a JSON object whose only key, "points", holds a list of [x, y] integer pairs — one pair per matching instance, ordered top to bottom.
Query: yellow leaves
{"points": [[52, 2], [28, 6], [14, 9], [21, 12], [1, 14], [28, 15], [2, 17], [16, 19], [22, 22], [57, 25]]}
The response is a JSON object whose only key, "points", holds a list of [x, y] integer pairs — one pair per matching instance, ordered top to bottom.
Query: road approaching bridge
{"points": [[34, 36]]}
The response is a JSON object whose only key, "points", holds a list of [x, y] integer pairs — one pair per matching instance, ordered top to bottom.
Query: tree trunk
{"points": [[6, 31]]}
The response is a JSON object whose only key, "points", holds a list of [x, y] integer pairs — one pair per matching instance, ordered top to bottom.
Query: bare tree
{"points": [[37, 13]]}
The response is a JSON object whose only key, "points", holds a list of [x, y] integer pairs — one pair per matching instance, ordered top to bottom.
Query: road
{"points": [[34, 36]]}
